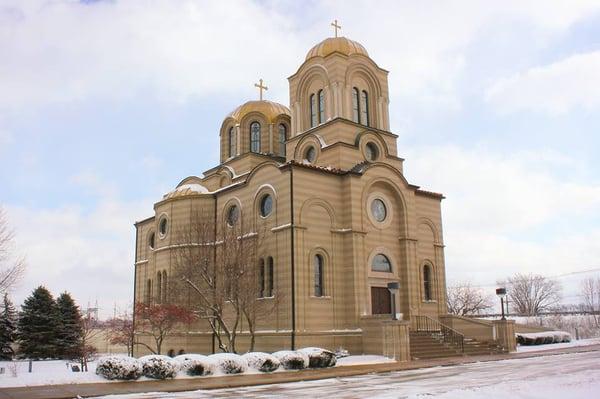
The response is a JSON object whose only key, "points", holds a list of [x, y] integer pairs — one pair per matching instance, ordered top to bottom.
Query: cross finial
{"points": [[336, 26], [260, 87]]}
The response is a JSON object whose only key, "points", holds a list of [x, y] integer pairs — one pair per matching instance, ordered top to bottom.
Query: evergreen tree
{"points": [[38, 324], [8, 328], [70, 329]]}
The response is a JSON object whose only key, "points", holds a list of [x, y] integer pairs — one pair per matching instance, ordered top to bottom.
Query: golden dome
{"points": [[341, 45], [269, 109]]}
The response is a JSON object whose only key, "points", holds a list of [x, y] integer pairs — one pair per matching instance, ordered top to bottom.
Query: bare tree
{"points": [[11, 269], [216, 274], [590, 288], [532, 294], [463, 299], [158, 321], [120, 331], [85, 351]]}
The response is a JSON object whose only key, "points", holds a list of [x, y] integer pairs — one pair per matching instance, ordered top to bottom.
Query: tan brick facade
{"points": [[321, 207]]}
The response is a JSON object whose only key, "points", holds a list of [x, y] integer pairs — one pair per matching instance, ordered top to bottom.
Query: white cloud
{"points": [[556, 88]]}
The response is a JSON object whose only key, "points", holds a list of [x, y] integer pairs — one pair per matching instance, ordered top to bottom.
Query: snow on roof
{"points": [[187, 189]]}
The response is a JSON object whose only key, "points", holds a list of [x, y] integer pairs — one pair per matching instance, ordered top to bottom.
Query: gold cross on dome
{"points": [[336, 26], [260, 87]]}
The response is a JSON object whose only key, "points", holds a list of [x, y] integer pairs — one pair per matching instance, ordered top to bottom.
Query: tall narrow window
{"points": [[321, 95], [355, 105], [364, 108], [313, 111], [255, 137], [282, 139], [232, 142], [318, 272], [269, 276], [261, 278], [427, 282], [164, 286], [159, 287], [148, 291]]}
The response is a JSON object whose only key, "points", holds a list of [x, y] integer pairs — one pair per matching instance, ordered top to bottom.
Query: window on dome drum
{"points": [[321, 95], [355, 105], [364, 108], [313, 111], [255, 137], [282, 139], [232, 142], [371, 152], [311, 154], [266, 205], [378, 210], [233, 214], [162, 227], [151, 240], [381, 263], [318, 275], [261, 278], [427, 283], [269, 285]]}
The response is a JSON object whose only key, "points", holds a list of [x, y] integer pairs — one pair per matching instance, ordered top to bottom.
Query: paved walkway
{"points": [[98, 389]]}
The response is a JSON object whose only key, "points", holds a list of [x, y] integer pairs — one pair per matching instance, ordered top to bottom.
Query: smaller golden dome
{"points": [[341, 45], [269, 109]]}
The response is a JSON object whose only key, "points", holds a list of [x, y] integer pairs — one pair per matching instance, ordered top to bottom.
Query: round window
{"points": [[371, 152], [311, 154], [266, 205], [378, 210], [233, 215], [162, 227], [151, 240], [381, 263]]}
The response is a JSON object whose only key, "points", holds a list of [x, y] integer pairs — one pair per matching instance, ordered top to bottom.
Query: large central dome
{"points": [[341, 45], [269, 109]]}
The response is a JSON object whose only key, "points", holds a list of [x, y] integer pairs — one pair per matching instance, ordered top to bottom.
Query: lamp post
{"points": [[393, 288], [501, 292]]}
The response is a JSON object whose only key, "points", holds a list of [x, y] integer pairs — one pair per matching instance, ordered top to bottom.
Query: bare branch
{"points": [[11, 270]]}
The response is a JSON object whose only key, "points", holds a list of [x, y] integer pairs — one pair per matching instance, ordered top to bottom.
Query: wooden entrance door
{"points": [[381, 302]]}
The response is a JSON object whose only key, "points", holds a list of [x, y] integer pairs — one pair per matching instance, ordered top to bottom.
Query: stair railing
{"points": [[432, 326]]}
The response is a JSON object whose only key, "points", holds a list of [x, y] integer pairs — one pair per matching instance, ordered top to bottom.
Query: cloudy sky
{"points": [[106, 105]]}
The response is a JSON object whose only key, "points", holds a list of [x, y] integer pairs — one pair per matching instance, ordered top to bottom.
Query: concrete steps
{"points": [[430, 345]]}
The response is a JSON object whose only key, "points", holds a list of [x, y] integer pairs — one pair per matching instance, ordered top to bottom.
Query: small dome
{"points": [[341, 45], [269, 109], [186, 189]]}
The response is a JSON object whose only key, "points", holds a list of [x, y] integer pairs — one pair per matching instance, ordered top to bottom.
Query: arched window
{"points": [[321, 95], [355, 105], [364, 108], [313, 111], [255, 137], [282, 139], [232, 142], [381, 263], [318, 275], [269, 276], [261, 278], [427, 283], [165, 286], [159, 287], [148, 291]]}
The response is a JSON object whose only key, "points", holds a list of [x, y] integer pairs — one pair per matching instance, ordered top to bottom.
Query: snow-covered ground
{"points": [[52, 372], [572, 376]]}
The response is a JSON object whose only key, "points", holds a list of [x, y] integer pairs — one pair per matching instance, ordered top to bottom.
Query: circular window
{"points": [[371, 152], [311, 154], [266, 205], [378, 210], [233, 214], [162, 227], [151, 240], [381, 263]]}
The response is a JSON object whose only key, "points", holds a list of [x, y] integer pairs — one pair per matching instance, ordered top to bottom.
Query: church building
{"points": [[322, 180]]}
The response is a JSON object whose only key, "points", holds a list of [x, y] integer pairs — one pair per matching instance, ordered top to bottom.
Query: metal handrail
{"points": [[449, 335]]}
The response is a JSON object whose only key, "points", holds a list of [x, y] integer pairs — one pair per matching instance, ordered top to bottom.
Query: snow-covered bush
{"points": [[541, 338], [341, 352], [319, 358], [292, 360], [261, 361], [229, 363], [195, 365], [159, 367], [119, 368]]}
